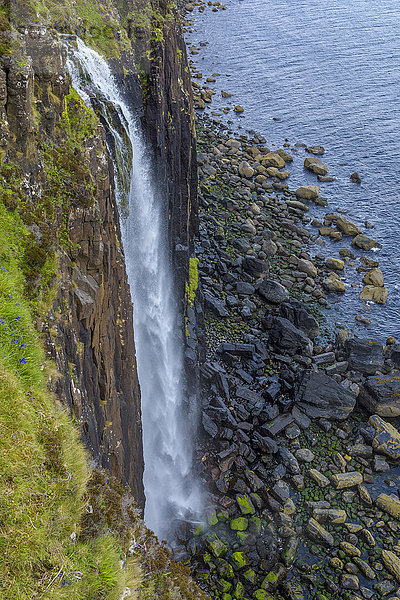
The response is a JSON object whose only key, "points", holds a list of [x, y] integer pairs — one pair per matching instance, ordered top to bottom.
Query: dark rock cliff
{"points": [[85, 305]]}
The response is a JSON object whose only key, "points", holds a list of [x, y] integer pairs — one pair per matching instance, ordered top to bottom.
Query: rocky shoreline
{"points": [[295, 423]]}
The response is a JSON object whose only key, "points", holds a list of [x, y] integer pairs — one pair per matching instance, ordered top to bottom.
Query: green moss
{"points": [[192, 285]]}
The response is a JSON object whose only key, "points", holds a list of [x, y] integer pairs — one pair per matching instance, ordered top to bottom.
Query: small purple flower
{"points": [[18, 318], [23, 346], [23, 361]]}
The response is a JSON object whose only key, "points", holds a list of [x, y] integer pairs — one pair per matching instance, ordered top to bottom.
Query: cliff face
{"points": [[168, 119], [74, 261], [88, 330]]}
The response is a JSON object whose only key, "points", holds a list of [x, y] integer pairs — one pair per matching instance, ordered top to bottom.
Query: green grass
{"points": [[43, 466]]}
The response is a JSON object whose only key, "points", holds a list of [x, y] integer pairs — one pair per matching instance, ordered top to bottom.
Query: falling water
{"points": [[170, 490]]}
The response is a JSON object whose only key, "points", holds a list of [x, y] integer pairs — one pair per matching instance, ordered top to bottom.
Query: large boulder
{"points": [[315, 165], [308, 192], [347, 226], [365, 243], [254, 266], [272, 291], [375, 294], [297, 314], [288, 339], [365, 356], [381, 395], [320, 396], [387, 437]]}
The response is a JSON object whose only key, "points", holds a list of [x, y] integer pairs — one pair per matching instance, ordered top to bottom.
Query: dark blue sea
{"points": [[330, 72]]}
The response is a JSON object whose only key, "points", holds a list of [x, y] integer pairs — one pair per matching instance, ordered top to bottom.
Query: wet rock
{"points": [[238, 109], [317, 150], [272, 159], [315, 165], [246, 170], [355, 177], [308, 192], [347, 226], [365, 243], [334, 263], [306, 266], [374, 277], [332, 283], [272, 291], [374, 294], [216, 306], [297, 314], [286, 338], [365, 356], [381, 395], [320, 396], [209, 425], [387, 437], [304, 455], [289, 460], [318, 477], [346, 480], [245, 504], [390, 504], [329, 515], [239, 524], [319, 533], [215, 545], [350, 549], [289, 551], [392, 563], [364, 568], [349, 582]]}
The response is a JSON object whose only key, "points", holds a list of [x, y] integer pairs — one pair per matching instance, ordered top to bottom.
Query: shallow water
{"points": [[329, 72]]}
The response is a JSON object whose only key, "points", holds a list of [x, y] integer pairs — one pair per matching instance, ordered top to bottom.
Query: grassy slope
{"points": [[43, 467]]}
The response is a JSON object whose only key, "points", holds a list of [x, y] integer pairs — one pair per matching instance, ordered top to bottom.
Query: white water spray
{"points": [[169, 487]]}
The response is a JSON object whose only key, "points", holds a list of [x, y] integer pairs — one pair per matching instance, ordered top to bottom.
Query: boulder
{"points": [[238, 109], [318, 150], [272, 159], [315, 165], [245, 170], [355, 177], [308, 192], [347, 227], [365, 243], [334, 263], [254, 266], [306, 266], [374, 277], [332, 283], [272, 291], [374, 294], [215, 305], [297, 314], [288, 339], [365, 356], [381, 395], [320, 396], [386, 439], [346, 480], [390, 504], [319, 533], [392, 563]]}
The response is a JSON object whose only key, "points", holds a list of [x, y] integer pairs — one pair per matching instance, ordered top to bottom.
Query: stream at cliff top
{"points": [[328, 73], [170, 491]]}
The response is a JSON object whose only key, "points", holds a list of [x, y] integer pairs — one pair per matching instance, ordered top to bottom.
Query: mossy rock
{"points": [[245, 504], [239, 524], [216, 546], [238, 560], [225, 569], [251, 576], [224, 586], [238, 592], [261, 595]]}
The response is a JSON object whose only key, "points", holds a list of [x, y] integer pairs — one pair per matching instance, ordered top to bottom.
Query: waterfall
{"points": [[169, 487]]}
